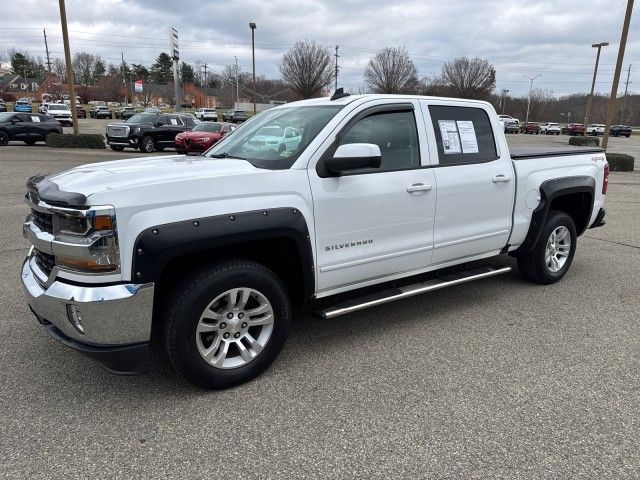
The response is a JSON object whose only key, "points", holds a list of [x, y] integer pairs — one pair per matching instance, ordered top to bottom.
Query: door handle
{"points": [[500, 178], [418, 187]]}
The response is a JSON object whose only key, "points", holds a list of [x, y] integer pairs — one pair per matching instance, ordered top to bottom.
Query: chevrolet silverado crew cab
{"points": [[381, 197]]}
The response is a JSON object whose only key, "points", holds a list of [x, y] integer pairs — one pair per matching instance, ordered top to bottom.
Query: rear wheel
{"points": [[4, 138], [147, 144], [552, 255], [226, 324]]}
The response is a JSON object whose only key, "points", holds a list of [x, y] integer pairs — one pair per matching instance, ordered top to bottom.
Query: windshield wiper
{"points": [[226, 155]]}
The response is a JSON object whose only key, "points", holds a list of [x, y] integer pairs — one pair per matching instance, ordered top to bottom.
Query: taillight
{"points": [[605, 180]]}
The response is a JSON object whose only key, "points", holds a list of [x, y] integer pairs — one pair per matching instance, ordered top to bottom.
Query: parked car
{"points": [[23, 105], [3, 106], [42, 108], [152, 110], [100, 111], [61, 112], [81, 112], [125, 112], [206, 114], [234, 116], [27, 127], [511, 127], [530, 127], [549, 128], [573, 129], [595, 129], [620, 131], [148, 132], [202, 137], [275, 138], [227, 249]]}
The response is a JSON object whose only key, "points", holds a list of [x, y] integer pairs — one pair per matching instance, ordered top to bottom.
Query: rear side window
{"points": [[463, 135]]}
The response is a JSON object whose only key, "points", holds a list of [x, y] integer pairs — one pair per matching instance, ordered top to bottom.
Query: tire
{"points": [[628, 135], [4, 138], [30, 142], [147, 144], [116, 148], [534, 265], [185, 335]]}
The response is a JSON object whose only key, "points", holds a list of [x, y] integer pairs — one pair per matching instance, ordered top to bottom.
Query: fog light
{"points": [[75, 317]]}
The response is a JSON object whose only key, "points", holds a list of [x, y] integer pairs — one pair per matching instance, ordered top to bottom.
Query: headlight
{"points": [[70, 224]]}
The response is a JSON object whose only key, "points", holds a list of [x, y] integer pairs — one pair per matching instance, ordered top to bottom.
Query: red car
{"points": [[530, 127], [573, 129], [202, 137]]}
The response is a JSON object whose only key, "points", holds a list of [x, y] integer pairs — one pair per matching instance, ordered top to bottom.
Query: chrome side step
{"points": [[410, 290]]}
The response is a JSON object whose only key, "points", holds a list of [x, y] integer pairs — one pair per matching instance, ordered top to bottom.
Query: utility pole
{"points": [[252, 26], [46, 48], [67, 57], [336, 74], [616, 77], [124, 81], [206, 82], [593, 83], [237, 84], [626, 84], [529, 97], [504, 99]]}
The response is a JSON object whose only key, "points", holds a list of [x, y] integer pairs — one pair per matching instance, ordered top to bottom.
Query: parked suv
{"points": [[23, 105], [101, 111], [60, 112], [125, 112], [206, 114], [234, 116], [511, 126], [27, 127], [530, 127], [549, 128], [573, 129], [595, 129], [620, 130], [148, 131], [202, 137]]}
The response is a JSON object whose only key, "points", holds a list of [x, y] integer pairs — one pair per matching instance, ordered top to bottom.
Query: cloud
{"points": [[520, 38]]}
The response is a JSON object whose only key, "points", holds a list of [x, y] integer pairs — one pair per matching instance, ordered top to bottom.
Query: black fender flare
{"points": [[549, 191], [156, 246]]}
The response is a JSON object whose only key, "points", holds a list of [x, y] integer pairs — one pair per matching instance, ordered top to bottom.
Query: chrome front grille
{"points": [[118, 131], [44, 221], [44, 261]]}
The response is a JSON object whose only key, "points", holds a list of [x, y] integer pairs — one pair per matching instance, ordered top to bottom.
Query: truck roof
{"points": [[347, 99]]}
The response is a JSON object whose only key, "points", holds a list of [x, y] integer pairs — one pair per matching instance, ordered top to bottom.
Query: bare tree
{"points": [[86, 68], [307, 68], [391, 70], [469, 77]]}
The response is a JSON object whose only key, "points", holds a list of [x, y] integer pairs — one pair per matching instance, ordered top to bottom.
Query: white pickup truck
{"points": [[382, 198]]}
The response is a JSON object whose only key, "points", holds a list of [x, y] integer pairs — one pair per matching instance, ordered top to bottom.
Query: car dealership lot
{"points": [[498, 378]]}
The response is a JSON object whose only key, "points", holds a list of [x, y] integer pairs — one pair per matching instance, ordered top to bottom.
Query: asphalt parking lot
{"points": [[495, 379]]}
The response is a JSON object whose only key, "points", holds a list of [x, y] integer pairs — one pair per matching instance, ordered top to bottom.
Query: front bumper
{"points": [[131, 142], [116, 319]]}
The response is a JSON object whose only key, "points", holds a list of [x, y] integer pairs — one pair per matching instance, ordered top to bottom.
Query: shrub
{"points": [[71, 140], [584, 141], [620, 162]]}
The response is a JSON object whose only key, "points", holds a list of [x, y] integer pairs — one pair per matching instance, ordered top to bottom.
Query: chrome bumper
{"points": [[110, 315]]}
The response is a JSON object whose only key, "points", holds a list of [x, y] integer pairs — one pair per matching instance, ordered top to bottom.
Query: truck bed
{"points": [[524, 153]]}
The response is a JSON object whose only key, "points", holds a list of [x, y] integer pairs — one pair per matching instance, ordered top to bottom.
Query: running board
{"points": [[399, 293]]}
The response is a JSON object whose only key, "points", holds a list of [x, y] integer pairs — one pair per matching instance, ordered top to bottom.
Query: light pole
{"points": [[252, 26], [593, 83], [529, 97], [504, 99]]}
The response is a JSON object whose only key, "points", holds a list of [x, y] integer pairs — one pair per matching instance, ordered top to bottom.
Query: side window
{"points": [[24, 117], [163, 119], [175, 121], [394, 132], [463, 135]]}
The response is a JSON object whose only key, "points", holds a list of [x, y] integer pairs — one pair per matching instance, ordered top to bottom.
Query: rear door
{"points": [[475, 182]]}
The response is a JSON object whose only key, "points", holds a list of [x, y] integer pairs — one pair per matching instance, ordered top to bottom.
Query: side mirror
{"points": [[354, 156]]}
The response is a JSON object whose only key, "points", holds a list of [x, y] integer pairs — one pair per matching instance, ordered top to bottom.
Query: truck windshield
{"points": [[249, 142]]}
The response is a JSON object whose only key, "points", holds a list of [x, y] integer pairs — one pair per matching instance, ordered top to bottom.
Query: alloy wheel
{"points": [[557, 249]]}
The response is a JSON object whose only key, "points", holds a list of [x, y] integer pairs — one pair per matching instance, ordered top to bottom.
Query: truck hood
{"points": [[134, 173]]}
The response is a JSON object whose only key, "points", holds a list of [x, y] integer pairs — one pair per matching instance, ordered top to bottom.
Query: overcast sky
{"points": [[520, 38]]}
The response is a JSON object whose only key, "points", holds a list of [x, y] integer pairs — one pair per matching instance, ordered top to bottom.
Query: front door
{"points": [[375, 223]]}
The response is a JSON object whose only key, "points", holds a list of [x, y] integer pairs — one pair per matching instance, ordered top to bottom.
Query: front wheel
{"points": [[4, 138], [147, 144], [552, 255], [226, 324]]}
